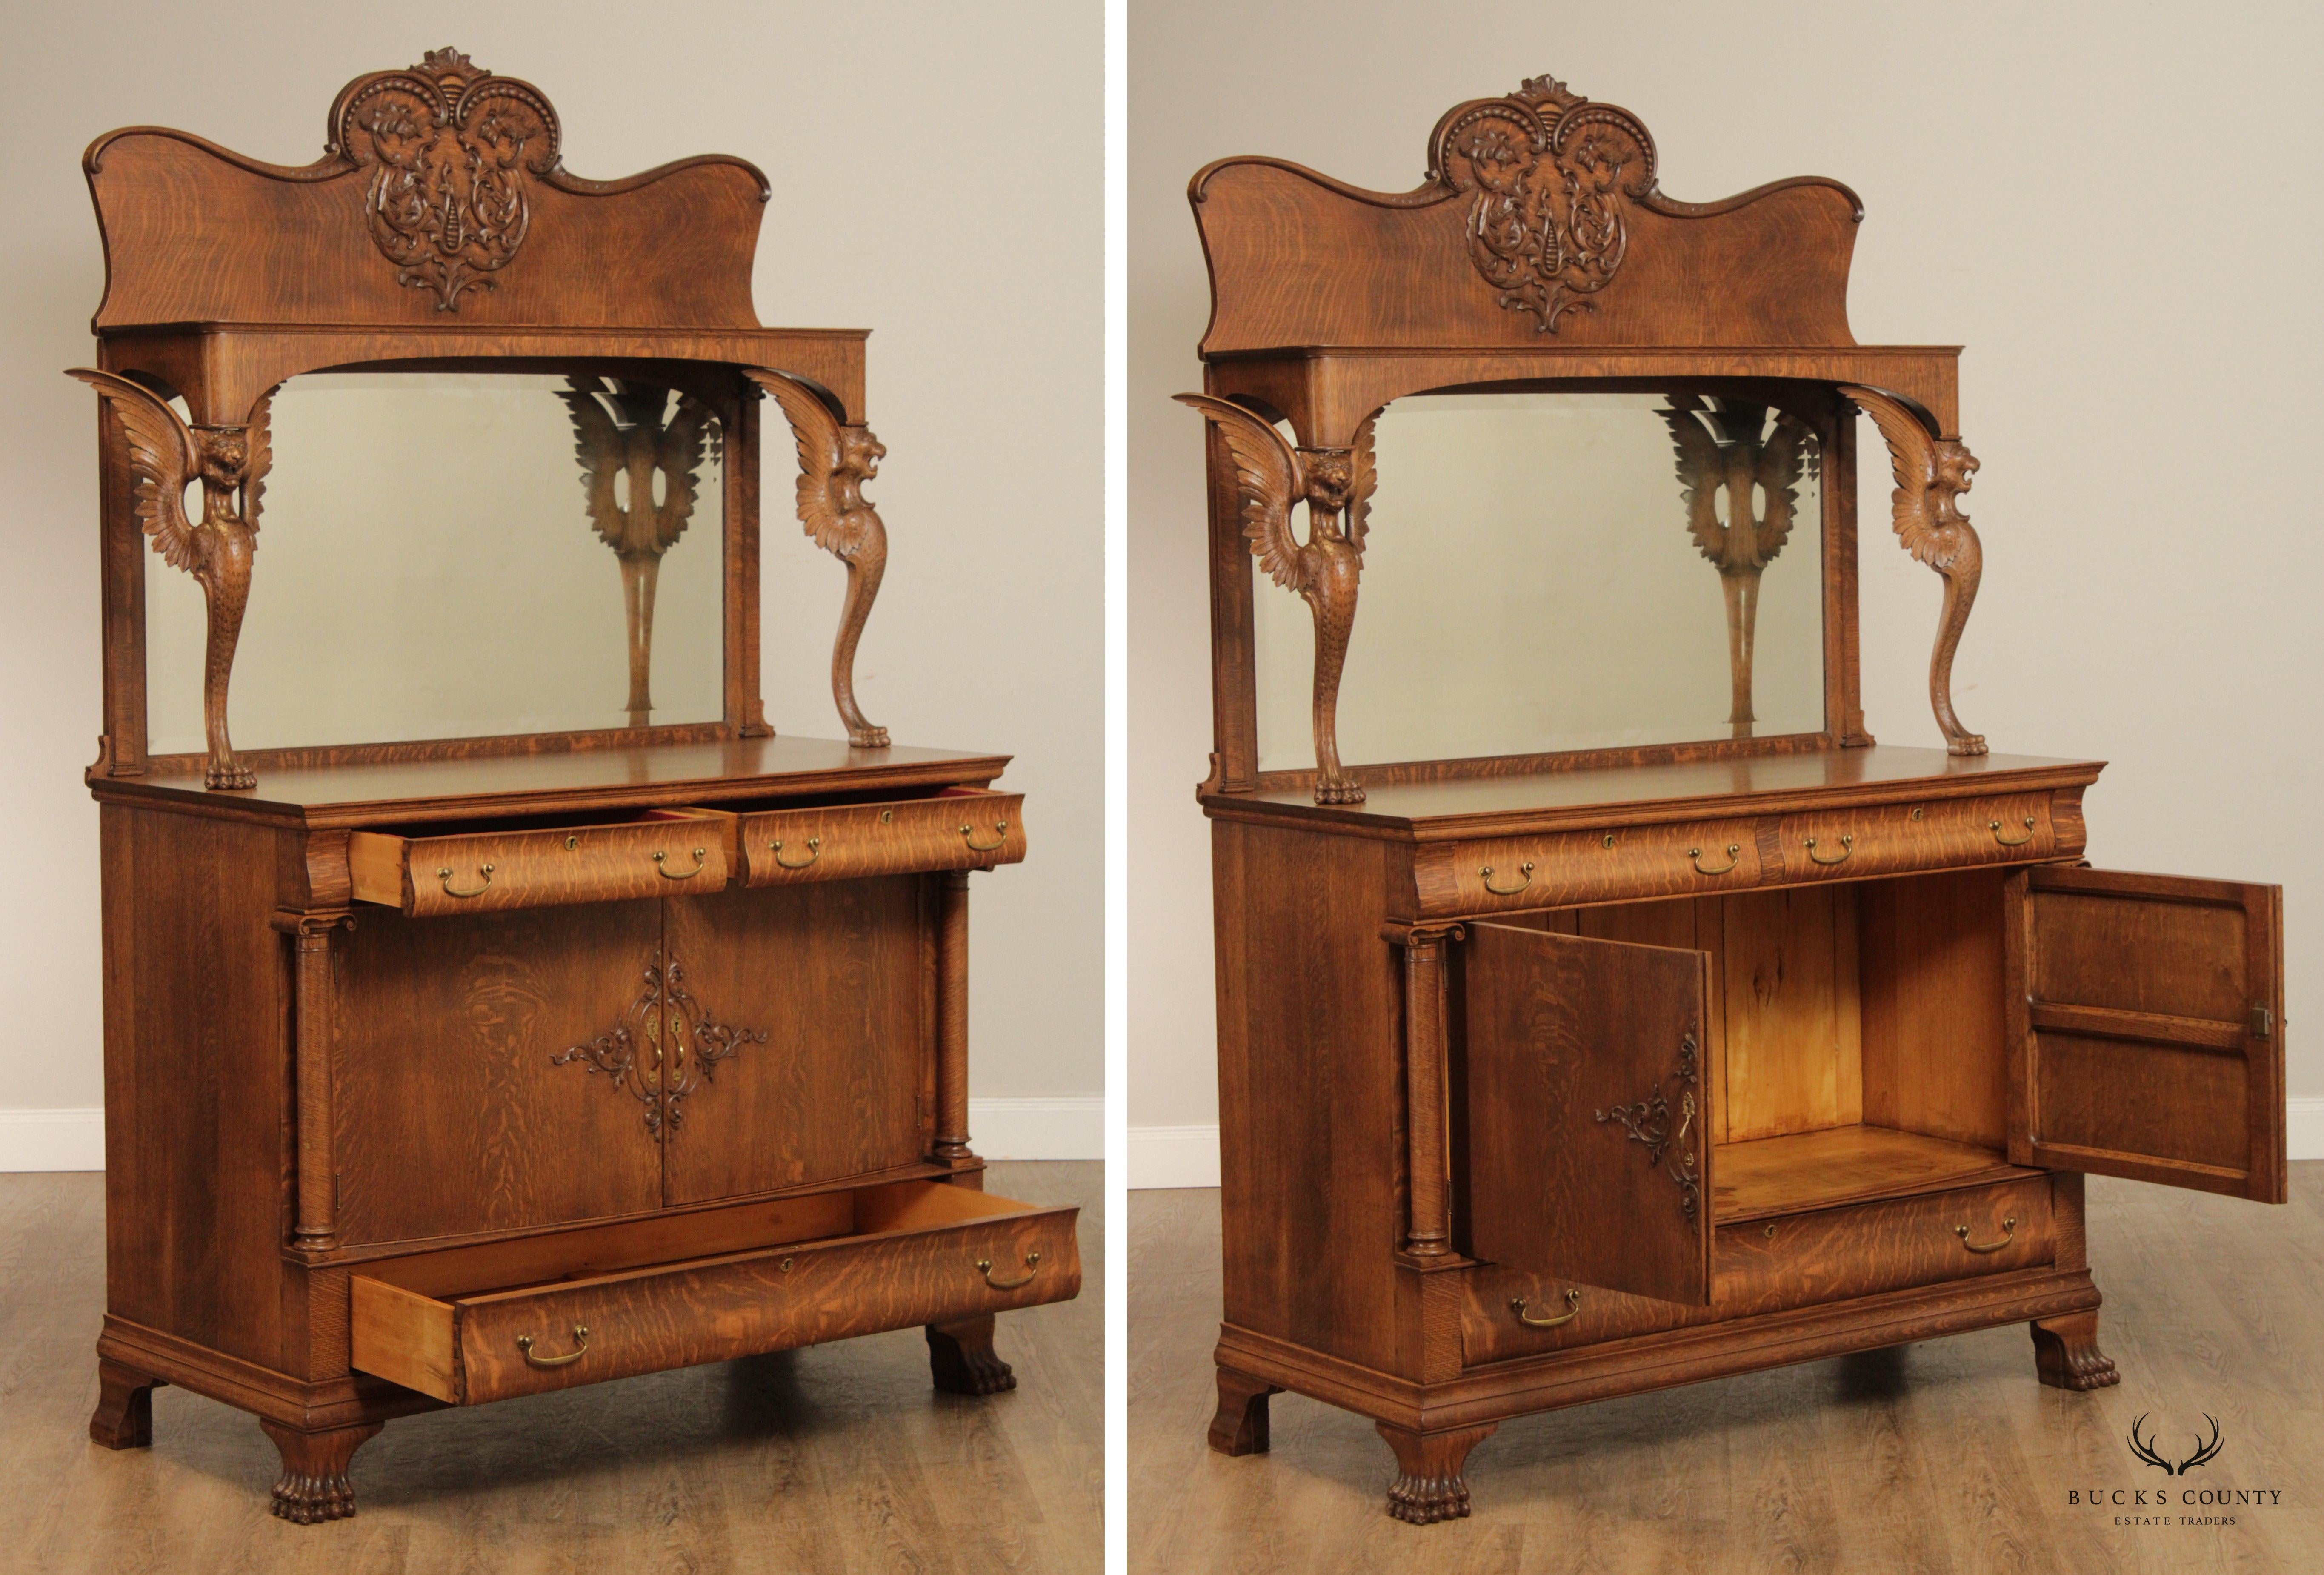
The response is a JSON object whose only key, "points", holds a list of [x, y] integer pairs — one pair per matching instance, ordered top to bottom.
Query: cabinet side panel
{"points": [[197, 1078], [1308, 1088]]}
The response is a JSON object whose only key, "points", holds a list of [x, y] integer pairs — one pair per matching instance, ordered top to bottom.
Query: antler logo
{"points": [[2204, 1451]]}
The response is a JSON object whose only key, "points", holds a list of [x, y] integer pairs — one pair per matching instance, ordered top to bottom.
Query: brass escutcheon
{"points": [[1918, 811], [886, 816], [1001, 827], [1995, 827], [1607, 841], [571, 843], [1846, 847], [1733, 850], [814, 852], [700, 855], [445, 874], [1486, 874], [2009, 1230], [1770, 1231], [786, 1265], [1032, 1267], [1572, 1311], [580, 1348]]}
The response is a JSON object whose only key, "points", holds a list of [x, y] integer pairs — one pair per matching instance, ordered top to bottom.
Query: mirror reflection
{"points": [[445, 555], [1560, 571]]}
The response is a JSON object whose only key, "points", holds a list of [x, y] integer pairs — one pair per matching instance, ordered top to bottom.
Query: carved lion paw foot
{"points": [[867, 738], [1974, 743], [234, 773], [1340, 792], [2066, 1354], [962, 1360], [2084, 1369], [313, 1486], [1428, 1486], [304, 1500], [1425, 1500]]}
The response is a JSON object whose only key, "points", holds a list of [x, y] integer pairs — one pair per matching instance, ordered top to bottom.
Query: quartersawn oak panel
{"points": [[959, 828], [492, 871], [830, 972], [451, 1116]]}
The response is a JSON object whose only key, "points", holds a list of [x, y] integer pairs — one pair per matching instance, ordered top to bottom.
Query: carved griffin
{"points": [[630, 430], [1723, 448], [164, 456], [835, 459], [1932, 473], [1270, 477]]}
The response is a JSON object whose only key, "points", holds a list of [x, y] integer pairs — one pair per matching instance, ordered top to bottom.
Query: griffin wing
{"points": [[816, 431], [598, 445], [1914, 454], [161, 457], [261, 457], [679, 457], [1701, 472], [1778, 474], [1268, 476], [1364, 476]]}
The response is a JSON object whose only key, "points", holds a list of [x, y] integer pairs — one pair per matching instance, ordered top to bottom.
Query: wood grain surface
{"points": [[960, 829], [492, 871], [836, 1458], [1928, 1459]]}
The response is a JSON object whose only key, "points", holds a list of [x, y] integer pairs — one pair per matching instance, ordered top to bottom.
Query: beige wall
{"points": [[936, 176], [2110, 206]]}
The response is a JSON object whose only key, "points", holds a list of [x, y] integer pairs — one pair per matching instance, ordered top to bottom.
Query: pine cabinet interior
{"points": [[512, 1010], [1620, 1013]]}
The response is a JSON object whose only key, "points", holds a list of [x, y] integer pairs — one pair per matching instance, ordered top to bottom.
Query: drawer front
{"points": [[956, 830], [1944, 834], [486, 872], [1507, 874], [1764, 1265], [679, 1314]]}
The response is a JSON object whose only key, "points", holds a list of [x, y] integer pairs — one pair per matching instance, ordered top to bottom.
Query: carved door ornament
{"points": [[451, 148], [1553, 177], [626, 435], [1726, 447], [836, 458], [1335, 484], [680, 1045], [1648, 1122]]}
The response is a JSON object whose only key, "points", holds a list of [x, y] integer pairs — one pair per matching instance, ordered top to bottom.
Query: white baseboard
{"points": [[1000, 1129], [52, 1140], [1174, 1156], [1188, 1157]]}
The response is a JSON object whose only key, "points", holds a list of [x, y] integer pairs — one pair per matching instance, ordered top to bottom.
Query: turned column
{"points": [[316, 1027], [951, 1143], [1428, 1224]]}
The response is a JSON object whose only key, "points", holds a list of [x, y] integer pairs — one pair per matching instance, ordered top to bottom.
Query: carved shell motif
{"points": [[451, 149], [1553, 177]]}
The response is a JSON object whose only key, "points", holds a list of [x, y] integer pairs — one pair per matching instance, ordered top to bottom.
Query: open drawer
{"points": [[958, 829], [642, 854], [472, 1324]]}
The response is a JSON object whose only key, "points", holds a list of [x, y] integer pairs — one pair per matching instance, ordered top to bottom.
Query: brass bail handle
{"points": [[1001, 827], [1995, 827], [1846, 847], [814, 852], [701, 856], [1734, 857], [1486, 874], [444, 875], [2008, 1232], [1032, 1267], [1572, 1311], [580, 1348]]}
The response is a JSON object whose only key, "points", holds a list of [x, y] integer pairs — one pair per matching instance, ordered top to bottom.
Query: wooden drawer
{"points": [[960, 829], [1943, 834], [657, 852], [1511, 873], [1764, 1265], [480, 1323]]}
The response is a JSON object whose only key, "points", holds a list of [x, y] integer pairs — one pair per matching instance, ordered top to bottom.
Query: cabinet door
{"points": [[800, 1011], [2151, 1029], [1588, 1151]]}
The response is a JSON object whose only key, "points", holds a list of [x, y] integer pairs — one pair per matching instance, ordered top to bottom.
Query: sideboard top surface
{"points": [[552, 782], [1466, 806]]}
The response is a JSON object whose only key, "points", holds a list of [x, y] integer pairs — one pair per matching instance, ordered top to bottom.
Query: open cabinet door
{"points": [[2151, 1030], [1588, 1147]]}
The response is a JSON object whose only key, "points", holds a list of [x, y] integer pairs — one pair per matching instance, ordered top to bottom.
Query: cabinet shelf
{"points": [[1843, 1164]]}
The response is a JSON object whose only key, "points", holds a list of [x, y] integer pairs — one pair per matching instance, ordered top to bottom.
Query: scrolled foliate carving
{"points": [[452, 149], [1553, 177], [665, 1046]]}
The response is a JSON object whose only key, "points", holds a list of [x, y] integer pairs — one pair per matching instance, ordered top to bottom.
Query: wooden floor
{"points": [[1942, 1455], [833, 1459]]}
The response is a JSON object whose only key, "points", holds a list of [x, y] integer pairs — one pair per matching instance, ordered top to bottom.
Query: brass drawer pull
{"points": [[999, 826], [2012, 841], [1846, 847], [1734, 851], [814, 852], [700, 860], [445, 874], [1486, 874], [2008, 1231], [1032, 1267], [1572, 1311], [580, 1348]]}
